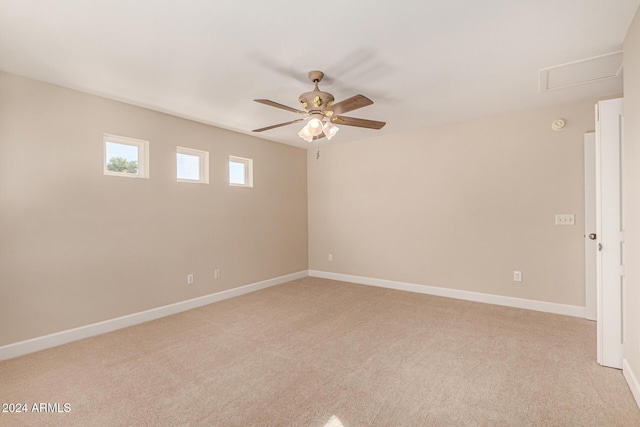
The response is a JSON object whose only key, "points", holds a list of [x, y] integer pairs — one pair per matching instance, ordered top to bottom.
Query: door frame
{"points": [[590, 245]]}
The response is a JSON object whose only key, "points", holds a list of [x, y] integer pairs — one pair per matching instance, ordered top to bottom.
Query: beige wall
{"points": [[631, 204], [459, 206], [78, 247]]}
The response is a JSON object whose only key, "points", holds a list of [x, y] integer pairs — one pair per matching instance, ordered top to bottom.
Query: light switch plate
{"points": [[565, 219]]}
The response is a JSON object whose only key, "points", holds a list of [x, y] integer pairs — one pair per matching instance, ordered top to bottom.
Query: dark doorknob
{"points": [[593, 236]]}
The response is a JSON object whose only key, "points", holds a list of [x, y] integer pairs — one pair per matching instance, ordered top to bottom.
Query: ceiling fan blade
{"points": [[275, 104], [350, 104], [363, 123], [277, 126], [322, 135]]}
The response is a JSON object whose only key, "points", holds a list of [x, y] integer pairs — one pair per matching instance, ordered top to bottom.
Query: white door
{"points": [[609, 237], [590, 244]]}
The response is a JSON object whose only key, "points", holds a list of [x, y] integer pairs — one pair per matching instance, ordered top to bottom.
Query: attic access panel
{"points": [[584, 71]]}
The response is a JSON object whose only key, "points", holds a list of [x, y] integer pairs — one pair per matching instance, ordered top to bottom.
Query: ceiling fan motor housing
{"points": [[316, 100]]}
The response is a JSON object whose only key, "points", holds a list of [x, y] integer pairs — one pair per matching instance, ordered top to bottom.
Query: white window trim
{"points": [[143, 155], [204, 164], [248, 171]]}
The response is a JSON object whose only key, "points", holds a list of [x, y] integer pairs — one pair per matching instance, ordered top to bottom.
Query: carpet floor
{"points": [[316, 352]]}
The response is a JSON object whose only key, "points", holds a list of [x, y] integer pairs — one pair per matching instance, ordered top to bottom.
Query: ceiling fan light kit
{"points": [[321, 113]]}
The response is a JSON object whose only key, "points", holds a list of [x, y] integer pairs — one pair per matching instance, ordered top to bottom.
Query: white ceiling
{"points": [[423, 63]]}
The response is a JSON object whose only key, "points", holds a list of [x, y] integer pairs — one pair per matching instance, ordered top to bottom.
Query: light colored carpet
{"points": [[316, 352]]}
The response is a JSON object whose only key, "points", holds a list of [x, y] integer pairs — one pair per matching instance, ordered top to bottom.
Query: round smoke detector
{"points": [[558, 124]]}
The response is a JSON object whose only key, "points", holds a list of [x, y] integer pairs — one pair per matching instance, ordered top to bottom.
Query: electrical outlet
{"points": [[330, 257], [216, 273], [517, 276], [190, 279]]}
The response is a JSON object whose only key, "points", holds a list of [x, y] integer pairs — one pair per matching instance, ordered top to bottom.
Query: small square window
{"points": [[126, 157], [192, 165], [240, 172]]}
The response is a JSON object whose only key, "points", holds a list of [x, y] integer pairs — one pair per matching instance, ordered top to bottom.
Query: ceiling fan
{"points": [[321, 114]]}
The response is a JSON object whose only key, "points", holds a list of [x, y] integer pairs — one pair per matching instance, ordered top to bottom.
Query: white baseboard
{"points": [[547, 307], [53, 340], [40, 343], [632, 380]]}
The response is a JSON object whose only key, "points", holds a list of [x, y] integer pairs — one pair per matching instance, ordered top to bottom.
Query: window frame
{"points": [[143, 155], [204, 164], [248, 171]]}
